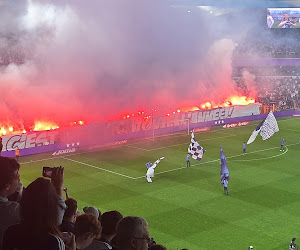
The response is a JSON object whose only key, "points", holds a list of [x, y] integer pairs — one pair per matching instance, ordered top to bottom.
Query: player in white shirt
{"points": [[270, 20], [150, 171]]}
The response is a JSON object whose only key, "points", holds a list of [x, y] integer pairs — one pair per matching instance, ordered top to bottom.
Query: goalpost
{"points": [[174, 126]]}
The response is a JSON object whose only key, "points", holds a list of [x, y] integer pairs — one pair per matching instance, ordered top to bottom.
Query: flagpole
{"points": [[152, 125]]}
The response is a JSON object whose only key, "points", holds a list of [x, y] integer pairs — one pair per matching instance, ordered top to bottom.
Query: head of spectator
{"points": [[286, 17], [9, 176], [39, 207], [92, 210], [71, 211], [39, 219], [109, 221], [68, 223], [87, 228], [132, 233], [157, 247]]}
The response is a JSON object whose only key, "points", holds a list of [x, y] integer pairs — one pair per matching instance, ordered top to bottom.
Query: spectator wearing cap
{"points": [[92, 210], [68, 223], [87, 228], [132, 234]]}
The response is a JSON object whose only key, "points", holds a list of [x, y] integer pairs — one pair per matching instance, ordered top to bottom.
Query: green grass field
{"points": [[185, 207]]}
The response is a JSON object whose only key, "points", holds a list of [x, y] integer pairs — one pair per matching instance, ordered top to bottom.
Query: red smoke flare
{"points": [[7, 128]]}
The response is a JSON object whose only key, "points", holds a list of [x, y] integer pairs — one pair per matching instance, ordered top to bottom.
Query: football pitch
{"points": [[185, 207]]}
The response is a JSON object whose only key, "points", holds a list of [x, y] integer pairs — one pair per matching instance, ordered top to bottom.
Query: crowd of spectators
{"points": [[269, 43], [271, 48], [275, 86], [37, 217]]}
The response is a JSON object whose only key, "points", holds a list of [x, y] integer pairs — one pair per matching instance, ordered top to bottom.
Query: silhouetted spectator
{"points": [[9, 181], [40, 216], [109, 221], [68, 223], [87, 228], [157, 247]]}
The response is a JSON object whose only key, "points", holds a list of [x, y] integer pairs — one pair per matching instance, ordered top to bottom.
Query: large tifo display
{"points": [[69, 140]]}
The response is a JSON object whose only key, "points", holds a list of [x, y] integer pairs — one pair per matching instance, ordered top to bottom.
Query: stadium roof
{"points": [[237, 3]]}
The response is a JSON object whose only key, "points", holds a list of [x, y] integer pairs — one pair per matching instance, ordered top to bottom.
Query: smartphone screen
{"points": [[47, 172]]}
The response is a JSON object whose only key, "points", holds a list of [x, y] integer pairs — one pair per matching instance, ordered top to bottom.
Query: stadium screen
{"points": [[283, 18]]}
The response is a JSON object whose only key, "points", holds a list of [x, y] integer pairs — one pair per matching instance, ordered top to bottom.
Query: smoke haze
{"points": [[92, 60]]}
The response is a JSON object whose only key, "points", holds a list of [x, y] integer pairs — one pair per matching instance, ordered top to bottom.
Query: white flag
{"points": [[269, 127], [194, 149]]}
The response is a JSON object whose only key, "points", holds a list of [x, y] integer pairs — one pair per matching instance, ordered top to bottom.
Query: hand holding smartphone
{"points": [[47, 172]]}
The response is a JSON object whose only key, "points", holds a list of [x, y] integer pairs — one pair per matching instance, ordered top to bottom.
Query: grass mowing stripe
{"points": [[291, 130], [166, 135], [177, 135], [175, 145], [130, 146], [261, 150], [269, 157], [92, 166], [175, 169], [259, 209]]}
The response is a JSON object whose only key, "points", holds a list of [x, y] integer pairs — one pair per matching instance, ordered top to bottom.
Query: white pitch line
{"points": [[288, 119], [298, 131], [222, 132], [176, 135], [166, 136], [175, 145], [130, 146], [96, 150], [261, 150], [86, 152], [80, 153], [264, 158], [92, 166], [175, 169], [171, 170]]}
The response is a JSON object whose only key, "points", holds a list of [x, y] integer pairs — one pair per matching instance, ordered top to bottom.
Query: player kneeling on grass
{"points": [[150, 171]]}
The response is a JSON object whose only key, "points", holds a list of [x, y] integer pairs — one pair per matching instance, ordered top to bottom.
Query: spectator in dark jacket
{"points": [[9, 182], [40, 215], [69, 218]]}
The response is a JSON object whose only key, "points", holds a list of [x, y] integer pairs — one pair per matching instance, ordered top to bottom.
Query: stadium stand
{"points": [[278, 86]]}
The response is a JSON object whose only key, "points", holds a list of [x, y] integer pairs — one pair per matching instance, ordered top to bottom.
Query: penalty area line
{"points": [[175, 145], [270, 157], [202, 163], [92, 166]]}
